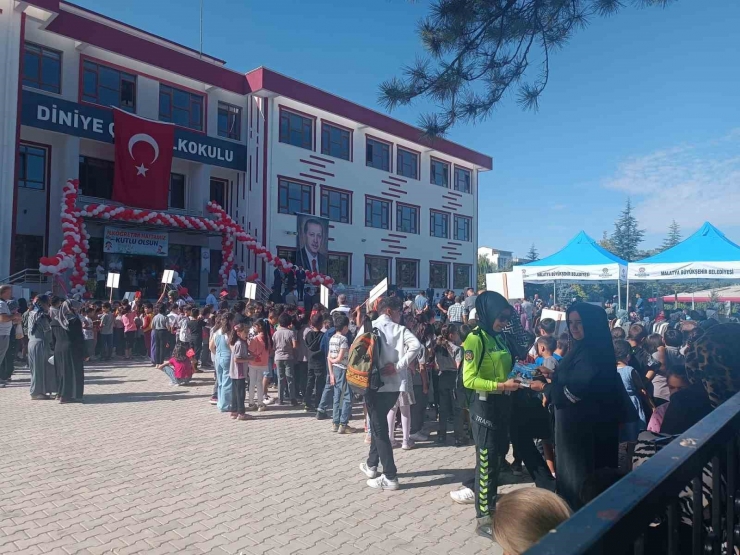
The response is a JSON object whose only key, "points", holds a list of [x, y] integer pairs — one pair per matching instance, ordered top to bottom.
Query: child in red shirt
{"points": [[180, 367]]}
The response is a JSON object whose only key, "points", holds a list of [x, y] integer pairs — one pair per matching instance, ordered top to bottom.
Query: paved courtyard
{"points": [[142, 467]]}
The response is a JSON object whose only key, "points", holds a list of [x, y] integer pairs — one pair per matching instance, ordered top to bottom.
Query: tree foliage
{"points": [[477, 50], [627, 235], [673, 238], [606, 243], [533, 255], [485, 266]]}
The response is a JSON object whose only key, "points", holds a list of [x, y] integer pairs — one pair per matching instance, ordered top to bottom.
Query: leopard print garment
{"points": [[714, 359]]}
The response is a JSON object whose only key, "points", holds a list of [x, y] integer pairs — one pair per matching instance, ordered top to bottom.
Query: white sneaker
{"points": [[268, 401], [419, 436], [369, 471], [381, 482], [463, 496]]}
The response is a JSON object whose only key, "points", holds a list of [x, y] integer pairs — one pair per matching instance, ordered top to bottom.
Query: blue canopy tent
{"points": [[707, 254], [582, 259]]}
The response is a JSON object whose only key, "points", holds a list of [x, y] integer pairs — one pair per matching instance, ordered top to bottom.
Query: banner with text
{"points": [[130, 241], [684, 270]]}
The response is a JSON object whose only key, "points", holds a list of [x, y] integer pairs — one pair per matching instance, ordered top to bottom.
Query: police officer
{"points": [[487, 363]]}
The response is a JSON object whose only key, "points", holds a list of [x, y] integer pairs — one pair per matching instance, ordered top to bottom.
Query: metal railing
{"points": [[29, 275], [645, 503]]}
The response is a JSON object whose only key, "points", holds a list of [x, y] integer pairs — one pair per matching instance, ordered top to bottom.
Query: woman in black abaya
{"points": [[69, 346], [589, 402]]}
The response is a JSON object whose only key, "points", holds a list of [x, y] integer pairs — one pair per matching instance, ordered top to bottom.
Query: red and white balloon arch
{"points": [[76, 241]]}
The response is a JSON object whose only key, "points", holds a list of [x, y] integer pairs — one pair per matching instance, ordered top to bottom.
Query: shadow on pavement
{"points": [[139, 397], [442, 477]]}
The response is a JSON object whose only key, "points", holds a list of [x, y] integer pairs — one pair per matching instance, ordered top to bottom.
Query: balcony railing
{"points": [[647, 499]]}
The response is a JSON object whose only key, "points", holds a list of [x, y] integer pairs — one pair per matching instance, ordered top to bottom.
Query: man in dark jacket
{"points": [[316, 363]]}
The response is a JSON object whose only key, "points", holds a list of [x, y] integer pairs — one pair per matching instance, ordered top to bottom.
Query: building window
{"points": [[42, 68], [108, 87], [180, 107], [229, 121], [296, 130], [336, 141], [378, 154], [407, 163], [31, 167], [440, 173], [96, 177], [462, 180], [177, 191], [218, 192], [294, 198], [336, 205], [377, 213], [407, 218], [439, 224], [462, 228], [27, 251], [287, 253], [338, 268], [377, 268], [438, 272], [407, 273], [461, 276]]}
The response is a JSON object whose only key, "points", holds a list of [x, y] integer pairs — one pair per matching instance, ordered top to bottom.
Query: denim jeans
{"points": [[106, 346], [170, 371], [286, 379], [224, 383], [342, 396], [327, 397]]}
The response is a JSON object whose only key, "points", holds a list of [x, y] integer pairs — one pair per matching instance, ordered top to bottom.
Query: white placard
{"points": [[168, 277], [113, 280], [508, 284], [250, 291], [377, 291], [27, 294], [131, 296], [324, 296], [561, 324]]}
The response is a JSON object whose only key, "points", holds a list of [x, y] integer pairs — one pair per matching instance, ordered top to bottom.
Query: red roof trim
{"points": [[119, 42], [266, 79]]}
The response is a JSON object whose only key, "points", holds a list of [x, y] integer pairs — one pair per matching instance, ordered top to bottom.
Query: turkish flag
{"points": [[143, 161]]}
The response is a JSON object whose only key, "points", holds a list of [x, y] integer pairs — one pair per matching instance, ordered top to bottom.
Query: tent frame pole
{"points": [[554, 292], [619, 294], [628, 296]]}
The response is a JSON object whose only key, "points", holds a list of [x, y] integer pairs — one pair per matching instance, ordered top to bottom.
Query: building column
{"points": [[11, 36], [66, 165], [199, 191]]}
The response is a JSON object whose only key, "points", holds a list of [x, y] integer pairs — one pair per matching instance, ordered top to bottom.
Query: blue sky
{"points": [[644, 104]]}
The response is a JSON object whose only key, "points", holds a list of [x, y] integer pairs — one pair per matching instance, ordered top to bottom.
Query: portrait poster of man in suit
{"points": [[313, 238]]}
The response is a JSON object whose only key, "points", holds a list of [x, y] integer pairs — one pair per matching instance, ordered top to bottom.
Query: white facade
{"points": [[250, 184], [355, 240], [500, 259]]}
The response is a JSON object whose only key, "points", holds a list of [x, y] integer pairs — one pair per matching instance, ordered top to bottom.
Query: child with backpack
{"points": [[448, 358], [337, 362], [316, 363]]}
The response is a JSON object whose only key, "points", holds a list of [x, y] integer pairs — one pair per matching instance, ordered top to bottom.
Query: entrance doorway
{"points": [[141, 273]]}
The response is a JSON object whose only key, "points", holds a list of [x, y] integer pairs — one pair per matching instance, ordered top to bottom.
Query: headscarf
{"points": [[488, 306], [37, 313], [66, 313], [597, 344], [713, 360]]}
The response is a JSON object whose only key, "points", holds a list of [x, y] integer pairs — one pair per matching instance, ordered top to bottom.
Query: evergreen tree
{"points": [[477, 50], [627, 235], [673, 238], [606, 243], [533, 255]]}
